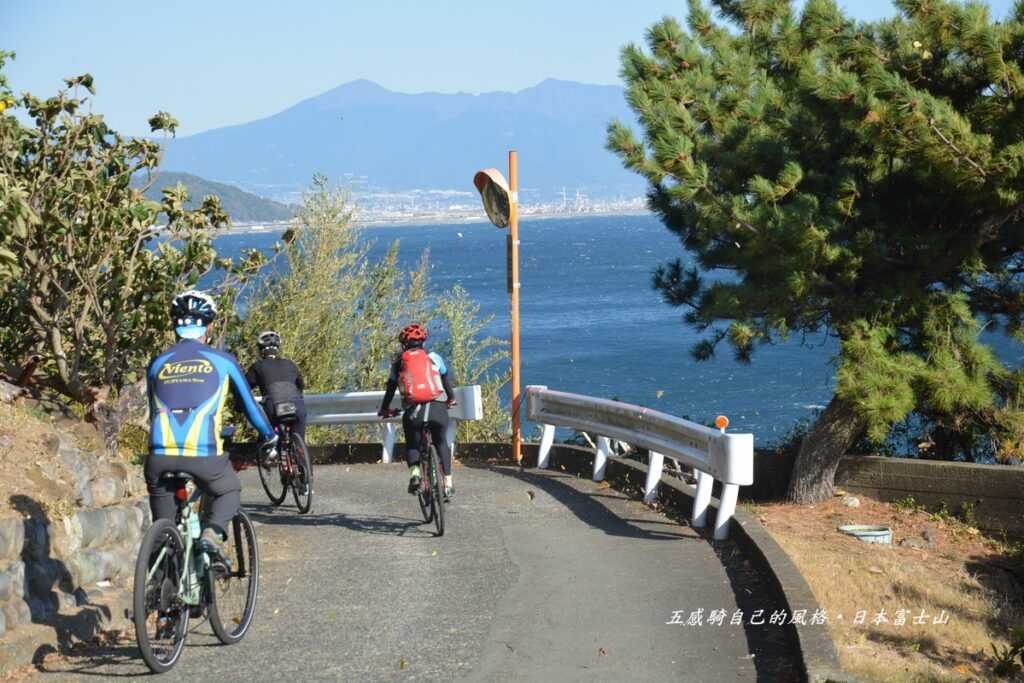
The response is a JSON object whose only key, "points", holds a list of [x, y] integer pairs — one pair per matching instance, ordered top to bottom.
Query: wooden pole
{"points": [[513, 284]]}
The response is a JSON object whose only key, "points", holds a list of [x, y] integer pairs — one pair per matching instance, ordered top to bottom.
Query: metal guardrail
{"points": [[360, 407], [712, 453]]}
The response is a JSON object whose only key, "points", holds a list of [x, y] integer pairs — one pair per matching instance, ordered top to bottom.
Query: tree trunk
{"points": [[110, 416], [814, 471]]}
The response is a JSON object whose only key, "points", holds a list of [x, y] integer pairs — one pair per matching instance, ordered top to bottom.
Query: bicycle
{"points": [[294, 468], [431, 492], [175, 581]]}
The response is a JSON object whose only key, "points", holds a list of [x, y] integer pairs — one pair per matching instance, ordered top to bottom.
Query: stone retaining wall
{"points": [[993, 495], [51, 564]]}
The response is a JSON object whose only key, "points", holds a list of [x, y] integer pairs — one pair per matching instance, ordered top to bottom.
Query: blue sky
{"points": [[220, 62]]}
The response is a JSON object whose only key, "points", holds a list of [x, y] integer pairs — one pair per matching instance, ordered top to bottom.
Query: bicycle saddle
{"points": [[177, 476]]}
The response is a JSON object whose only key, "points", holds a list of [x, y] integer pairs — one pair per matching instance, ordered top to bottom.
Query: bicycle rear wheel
{"points": [[302, 475], [273, 478], [436, 493], [424, 495], [232, 593], [161, 619]]}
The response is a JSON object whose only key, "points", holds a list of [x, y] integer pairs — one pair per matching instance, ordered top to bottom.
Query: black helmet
{"points": [[193, 308], [269, 342]]}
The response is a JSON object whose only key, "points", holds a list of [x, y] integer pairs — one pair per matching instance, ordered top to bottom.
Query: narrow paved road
{"points": [[541, 576]]}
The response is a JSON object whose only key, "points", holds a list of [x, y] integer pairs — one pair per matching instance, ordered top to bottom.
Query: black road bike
{"points": [[291, 467], [431, 491]]}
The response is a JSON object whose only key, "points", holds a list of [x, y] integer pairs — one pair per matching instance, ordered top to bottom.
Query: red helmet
{"points": [[412, 333]]}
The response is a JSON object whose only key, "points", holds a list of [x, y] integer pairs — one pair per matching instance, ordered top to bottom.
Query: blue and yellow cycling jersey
{"points": [[188, 389]]}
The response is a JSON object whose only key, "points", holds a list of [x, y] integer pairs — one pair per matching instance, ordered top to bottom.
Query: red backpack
{"points": [[419, 380]]}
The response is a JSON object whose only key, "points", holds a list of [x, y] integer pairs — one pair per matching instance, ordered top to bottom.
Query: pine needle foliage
{"points": [[862, 179]]}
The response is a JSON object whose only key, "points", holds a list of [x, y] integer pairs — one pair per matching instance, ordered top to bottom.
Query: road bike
{"points": [[291, 468], [431, 491], [175, 580]]}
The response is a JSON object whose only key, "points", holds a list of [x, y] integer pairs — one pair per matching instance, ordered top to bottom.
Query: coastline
{"points": [[435, 219]]}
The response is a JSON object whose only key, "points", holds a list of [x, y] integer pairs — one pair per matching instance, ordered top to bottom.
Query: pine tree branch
{"points": [[949, 143]]}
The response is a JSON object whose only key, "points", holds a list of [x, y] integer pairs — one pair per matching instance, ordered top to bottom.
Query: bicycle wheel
{"points": [[302, 475], [273, 478], [436, 492], [424, 495], [232, 593], [161, 619]]}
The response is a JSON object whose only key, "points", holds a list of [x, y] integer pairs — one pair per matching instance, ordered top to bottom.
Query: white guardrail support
{"points": [[360, 407], [547, 437], [712, 453], [601, 454], [654, 466]]}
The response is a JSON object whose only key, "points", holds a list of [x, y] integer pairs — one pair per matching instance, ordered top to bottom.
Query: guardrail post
{"points": [[547, 437], [389, 442], [601, 453], [654, 466], [702, 499], [726, 508]]}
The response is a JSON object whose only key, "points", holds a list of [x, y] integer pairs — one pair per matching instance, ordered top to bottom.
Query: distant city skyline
{"points": [[214, 64]]}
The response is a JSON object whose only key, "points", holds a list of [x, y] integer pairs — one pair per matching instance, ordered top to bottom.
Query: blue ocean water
{"points": [[592, 324]]}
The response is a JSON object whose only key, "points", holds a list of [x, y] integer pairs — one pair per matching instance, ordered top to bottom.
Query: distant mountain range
{"points": [[369, 137], [243, 207]]}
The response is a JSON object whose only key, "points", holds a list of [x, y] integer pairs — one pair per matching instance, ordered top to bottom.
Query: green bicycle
{"points": [[174, 581]]}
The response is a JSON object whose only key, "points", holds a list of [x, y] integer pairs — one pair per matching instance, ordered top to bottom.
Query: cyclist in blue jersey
{"points": [[188, 387]]}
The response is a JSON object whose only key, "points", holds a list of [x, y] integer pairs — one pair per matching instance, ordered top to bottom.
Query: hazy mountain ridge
{"points": [[401, 141], [242, 206]]}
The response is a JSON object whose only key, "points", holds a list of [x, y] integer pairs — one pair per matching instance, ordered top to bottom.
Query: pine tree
{"points": [[862, 179]]}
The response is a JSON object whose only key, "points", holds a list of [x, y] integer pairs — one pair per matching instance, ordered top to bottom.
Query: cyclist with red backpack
{"points": [[422, 378]]}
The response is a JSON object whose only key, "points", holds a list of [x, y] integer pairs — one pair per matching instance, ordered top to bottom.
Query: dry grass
{"points": [[28, 457], [962, 574]]}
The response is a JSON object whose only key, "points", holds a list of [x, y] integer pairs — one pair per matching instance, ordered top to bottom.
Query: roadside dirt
{"points": [[33, 470], [928, 610]]}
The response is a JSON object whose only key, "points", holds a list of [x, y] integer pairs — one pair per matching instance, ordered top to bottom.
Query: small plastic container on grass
{"points": [[868, 533]]}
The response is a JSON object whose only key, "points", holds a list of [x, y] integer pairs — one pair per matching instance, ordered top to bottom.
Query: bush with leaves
{"points": [[863, 179], [88, 265], [338, 314], [473, 361], [1008, 661]]}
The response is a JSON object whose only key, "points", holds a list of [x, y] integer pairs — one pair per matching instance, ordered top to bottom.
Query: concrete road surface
{"points": [[541, 576]]}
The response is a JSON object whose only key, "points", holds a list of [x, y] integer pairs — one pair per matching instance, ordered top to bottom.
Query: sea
{"points": [[592, 324]]}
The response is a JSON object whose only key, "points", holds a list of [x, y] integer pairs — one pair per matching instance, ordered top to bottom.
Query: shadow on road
{"points": [[585, 505], [367, 524], [771, 647], [92, 659]]}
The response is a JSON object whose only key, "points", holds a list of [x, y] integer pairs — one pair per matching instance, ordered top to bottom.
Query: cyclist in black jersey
{"points": [[278, 380]]}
